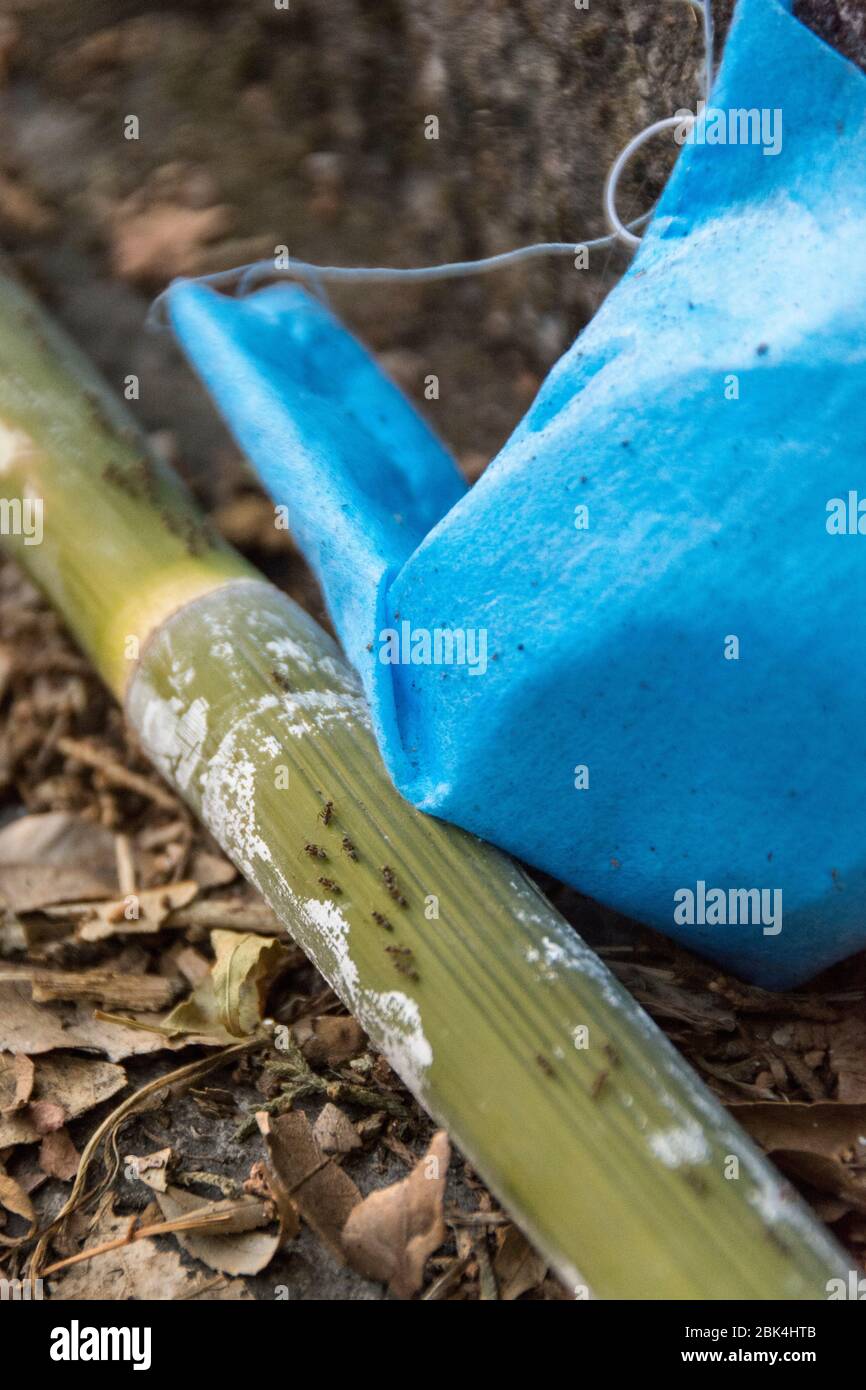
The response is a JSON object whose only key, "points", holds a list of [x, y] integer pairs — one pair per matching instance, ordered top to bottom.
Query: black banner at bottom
{"points": [[215, 1338]]}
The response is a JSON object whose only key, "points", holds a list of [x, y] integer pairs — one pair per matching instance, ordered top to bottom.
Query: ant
{"points": [[391, 885], [404, 961]]}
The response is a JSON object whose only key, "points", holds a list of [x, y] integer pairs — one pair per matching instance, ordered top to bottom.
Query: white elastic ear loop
{"points": [[706, 9], [619, 228], [623, 233], [243, 279]]}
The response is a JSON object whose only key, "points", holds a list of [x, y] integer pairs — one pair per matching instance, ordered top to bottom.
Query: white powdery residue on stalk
{"points": [[218, 629], [287, 649], [311, 660], [182, 673], [341, 674], [310, 711], [174, 735], [229, 802], [333, 932], [554, 952], [555, 955], [574, 955], [549, 956], [391, 1017], [397, 1019], [681, 1145], [773, 1199], [774, 1202], [778, 1204]]}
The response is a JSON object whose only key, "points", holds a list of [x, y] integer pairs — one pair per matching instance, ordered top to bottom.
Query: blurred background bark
{"points": [[308, 127]]}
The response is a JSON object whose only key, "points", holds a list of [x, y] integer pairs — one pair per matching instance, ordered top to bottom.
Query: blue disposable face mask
{"points": [[633, 654]]}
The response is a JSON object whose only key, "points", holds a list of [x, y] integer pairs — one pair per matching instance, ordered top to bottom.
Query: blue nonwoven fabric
{"points": [[669, 711]]}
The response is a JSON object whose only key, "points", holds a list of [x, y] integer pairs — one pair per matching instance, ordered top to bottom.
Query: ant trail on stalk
{"points": [[243, 279], [390, 881]]}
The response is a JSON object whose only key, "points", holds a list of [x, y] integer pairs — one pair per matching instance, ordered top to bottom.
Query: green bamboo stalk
{"points": [[146, 548], [595, 1134]]}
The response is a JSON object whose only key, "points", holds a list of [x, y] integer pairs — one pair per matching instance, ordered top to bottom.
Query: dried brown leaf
{"points": [[163, 240], [54, 858], [211, 870], [141, 912], [193, 966], [229, 1004], [328, 1041], [848, 1059], [24, 1075], [65, 1086], [47, 1116], [828, 1128], [334, 1132], [821, 1143], [58, 1156], [150, 1168], [323, 1194], [13, 1197], [390, 1235], [241, 1248], [516, 1265], [144, 1270]]}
